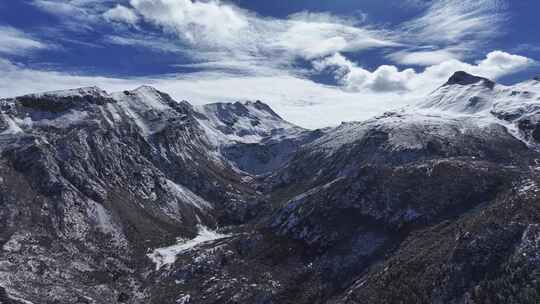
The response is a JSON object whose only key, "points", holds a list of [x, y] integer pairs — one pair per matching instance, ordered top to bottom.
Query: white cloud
{"points": [[78, 10], [121, 13], [454, 22], [199, 23], [212, 25], [449, 29], [214, 31], [312, 39], [148, 41], [15, 42], [527, 47], [424, 58], [495, 65], [354, 78], [389, 78]]}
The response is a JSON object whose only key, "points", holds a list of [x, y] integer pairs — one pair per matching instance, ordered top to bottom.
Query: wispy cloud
{"points": [[79, 10], [455, 22], [214, 25], [452, 29], [217, 31], [147, 41], [15, 42], [424, 57]]}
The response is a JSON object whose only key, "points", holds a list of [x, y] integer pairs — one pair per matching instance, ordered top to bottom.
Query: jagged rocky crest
{"points": [[118, 198]]}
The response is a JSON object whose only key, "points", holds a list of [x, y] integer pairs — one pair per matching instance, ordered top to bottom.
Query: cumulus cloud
{"points": [[121, 13], [200, 23], [15, 42], [495, 65], [354, 78], [389, 78]]}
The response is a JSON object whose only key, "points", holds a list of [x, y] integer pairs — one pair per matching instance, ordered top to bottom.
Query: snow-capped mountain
{"points": [[467, 94], [517, 107], [248, 122], [251, 135], [117, 198]]}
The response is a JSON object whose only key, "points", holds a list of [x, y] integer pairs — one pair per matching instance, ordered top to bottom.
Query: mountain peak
{"points": [[464, 78], [146, 88], [261, 106]]}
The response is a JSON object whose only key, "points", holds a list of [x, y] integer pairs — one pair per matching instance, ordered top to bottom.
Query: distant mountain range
{"points": [[133, 197]]}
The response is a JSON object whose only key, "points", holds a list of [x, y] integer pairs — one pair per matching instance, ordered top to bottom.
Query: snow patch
{"points": [[12, 126], [528, 187], [167, 255], [184, 299]]}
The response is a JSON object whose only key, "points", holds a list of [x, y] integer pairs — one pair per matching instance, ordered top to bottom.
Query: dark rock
{"points": [[464, 78]]}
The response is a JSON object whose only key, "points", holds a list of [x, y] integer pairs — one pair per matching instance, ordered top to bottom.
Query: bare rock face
{"points": [[117, 198]]}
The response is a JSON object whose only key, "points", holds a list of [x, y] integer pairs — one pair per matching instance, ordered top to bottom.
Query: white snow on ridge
{"points": [[79, 92], [465, 99], [479, 99], [448, 110], [248, 122], [167, 255]]}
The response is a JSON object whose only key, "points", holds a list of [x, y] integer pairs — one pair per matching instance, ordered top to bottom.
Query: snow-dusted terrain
{"points": [[465, 103], [248, 122], [116, 198]]}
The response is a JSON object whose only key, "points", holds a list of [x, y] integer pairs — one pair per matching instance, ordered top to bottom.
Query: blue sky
{"points": [[316, 62]]}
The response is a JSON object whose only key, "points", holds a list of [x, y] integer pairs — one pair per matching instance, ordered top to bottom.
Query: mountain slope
{"points": [[117, 173], [433, 203]]}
